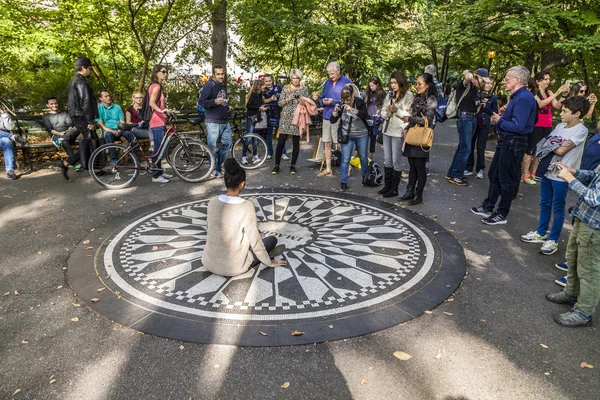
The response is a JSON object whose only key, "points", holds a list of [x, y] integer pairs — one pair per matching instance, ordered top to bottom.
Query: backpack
{"points": [[452, 106], [201, 110], [146, 111], [440, 111], [336, 158], [374, 175]]}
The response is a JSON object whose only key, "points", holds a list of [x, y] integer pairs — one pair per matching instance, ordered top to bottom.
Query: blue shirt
{"points": [[332, 92], [274, 109], [110, 116], [519, 116], [591, 154], [587, 187]]}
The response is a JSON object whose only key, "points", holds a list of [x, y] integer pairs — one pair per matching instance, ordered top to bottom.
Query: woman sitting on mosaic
{"points": [[233, 242]]}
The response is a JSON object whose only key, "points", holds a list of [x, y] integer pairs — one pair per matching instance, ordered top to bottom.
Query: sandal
{"points": [[325, 173]]}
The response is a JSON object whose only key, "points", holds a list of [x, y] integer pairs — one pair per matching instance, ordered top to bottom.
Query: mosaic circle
{"points": [[343, 256]]}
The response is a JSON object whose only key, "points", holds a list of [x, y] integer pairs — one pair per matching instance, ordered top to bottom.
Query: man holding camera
{"points": [[466, 95], [330, 96], [513, 127]]}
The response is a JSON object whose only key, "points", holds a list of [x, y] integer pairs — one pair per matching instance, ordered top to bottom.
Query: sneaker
{"points": [[20, 139], [57, 142], [269, 157], [284, 157], [255, 159], [244, 160], [78, 168], [275, 170], [292, 170], [427, 171], [467, 173], [11, 174], [216, 174], [479, 174], [167, 176], [448, 177], [536, 178], [160, 179], [528, 179], [458, 181], [344, 187], [481, 211], [495, 219], [534, 237], [549, 247], [562, 266], [562, 281], [561, 298], [573, 319]]}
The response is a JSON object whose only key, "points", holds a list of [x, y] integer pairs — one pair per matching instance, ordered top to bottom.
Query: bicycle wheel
{"points": [[250, 151], [193, 162], [117, 174]]}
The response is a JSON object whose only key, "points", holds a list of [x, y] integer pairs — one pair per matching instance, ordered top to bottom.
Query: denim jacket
{"points": [[486, 112]]}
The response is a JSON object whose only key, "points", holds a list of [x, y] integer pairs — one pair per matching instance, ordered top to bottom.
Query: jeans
{"points": [[272, 125], [466, 125], [218, 132], [4, 134], [158, 134], [110, 138], [479, 141], [362, 146], [8, 151], [392, 152], [505, 166], [553, 197], [583, 275]]}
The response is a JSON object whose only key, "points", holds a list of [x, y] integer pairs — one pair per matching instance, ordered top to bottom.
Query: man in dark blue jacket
{"points": [[213, 97], [513, 127]]}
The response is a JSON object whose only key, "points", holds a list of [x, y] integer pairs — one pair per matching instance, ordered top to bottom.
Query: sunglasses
{"points": [[163, 71], [138, 98]]}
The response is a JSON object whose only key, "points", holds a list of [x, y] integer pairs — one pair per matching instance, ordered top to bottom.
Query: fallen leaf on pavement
{"points": [[453, 222], [92, 230], [85, 242], [154, 248], [339, 278], [59, 287], [101, 289], [17, 293], [6, 294], [450, 299], [95, 300], [76, 305], [428, 312], [448, 313], [75, 319], [483, 320], [330, 326], [263, 333], [297, 333], [24, 341], [543, 345], [181, 347], [402, 355], [586, 365], [52, 380], [363, 382], [285, 385], [17, 391]]}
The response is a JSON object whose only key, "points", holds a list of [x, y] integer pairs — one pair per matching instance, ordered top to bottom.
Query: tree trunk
{"points": [[219, 33], [444, 73]]}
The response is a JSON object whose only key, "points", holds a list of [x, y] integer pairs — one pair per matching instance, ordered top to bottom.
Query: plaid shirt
{"points": [[587, 187]]}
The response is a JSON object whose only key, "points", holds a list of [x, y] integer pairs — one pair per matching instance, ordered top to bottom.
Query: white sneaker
{"points": [[269, 157], [285, 157], [255, 159], [244, 160], [467, 173], [479, 175], [167, 176], [160, 179], [533, 237], [549, 247]]}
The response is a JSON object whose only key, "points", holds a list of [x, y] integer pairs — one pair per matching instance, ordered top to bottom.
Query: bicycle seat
{"points": [[196, 121], [127, 127]]}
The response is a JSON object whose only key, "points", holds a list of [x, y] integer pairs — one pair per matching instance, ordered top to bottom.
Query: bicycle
{"points": [[116, 166]]}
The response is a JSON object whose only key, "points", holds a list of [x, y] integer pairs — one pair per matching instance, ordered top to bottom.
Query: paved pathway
{"points": [[484, 344]]}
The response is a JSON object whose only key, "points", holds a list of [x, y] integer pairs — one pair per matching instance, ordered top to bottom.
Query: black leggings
{"points": [[281, 142], [417, 173], [270, 242]]}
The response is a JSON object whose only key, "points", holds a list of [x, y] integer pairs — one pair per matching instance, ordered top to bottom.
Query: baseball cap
{"points": [[82, 62], [483, 73]]}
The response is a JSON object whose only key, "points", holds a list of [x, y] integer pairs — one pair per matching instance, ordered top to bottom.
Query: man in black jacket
{"points": [[213, 97], [83, 107]]}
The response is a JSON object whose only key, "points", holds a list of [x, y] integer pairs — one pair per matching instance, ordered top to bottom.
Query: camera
{"points": [[486, 96], [543, 111], [556, 168]]}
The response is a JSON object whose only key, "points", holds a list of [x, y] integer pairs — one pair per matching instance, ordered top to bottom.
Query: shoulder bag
{"points": [[452, 107], [421, 136]]}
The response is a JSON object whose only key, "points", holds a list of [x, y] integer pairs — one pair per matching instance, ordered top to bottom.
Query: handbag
{"points": [[420, 135]]}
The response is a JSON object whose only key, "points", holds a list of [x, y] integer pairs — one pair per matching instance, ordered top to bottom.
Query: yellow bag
{"points": [[421, 136], [355, 162]]}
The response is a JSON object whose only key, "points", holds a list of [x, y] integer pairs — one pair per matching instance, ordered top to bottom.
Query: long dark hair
{"points": [[155, 69], [540, 77], [402, 84], [577, 87], [379, 92], [420, 102]]}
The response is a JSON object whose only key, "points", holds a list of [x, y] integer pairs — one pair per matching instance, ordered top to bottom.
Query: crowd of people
{"points": [[530, 149]]}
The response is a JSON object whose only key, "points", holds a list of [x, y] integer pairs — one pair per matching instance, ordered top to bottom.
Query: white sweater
{"points": [[396, 125], [232, 237]]}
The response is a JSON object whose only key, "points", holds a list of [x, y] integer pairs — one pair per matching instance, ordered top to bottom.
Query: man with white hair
{"points": [[330, 96], [513, 127]]}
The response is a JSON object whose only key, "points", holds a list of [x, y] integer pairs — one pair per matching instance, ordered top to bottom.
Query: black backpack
{"points": [[146, 111], [336, 158], [374, 175]]}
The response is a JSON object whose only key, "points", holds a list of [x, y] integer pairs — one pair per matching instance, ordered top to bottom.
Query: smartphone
{"points": [[568, 82]]}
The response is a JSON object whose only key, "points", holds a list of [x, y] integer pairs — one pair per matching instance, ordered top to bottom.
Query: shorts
{"points": [[330, 131], [535, 137]]}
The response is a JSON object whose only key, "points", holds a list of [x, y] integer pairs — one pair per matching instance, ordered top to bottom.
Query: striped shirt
{"points": [[587, 187]]}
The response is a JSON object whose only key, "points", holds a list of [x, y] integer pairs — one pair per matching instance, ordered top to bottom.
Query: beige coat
{"points": [[396, 125], [232, 236]]}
